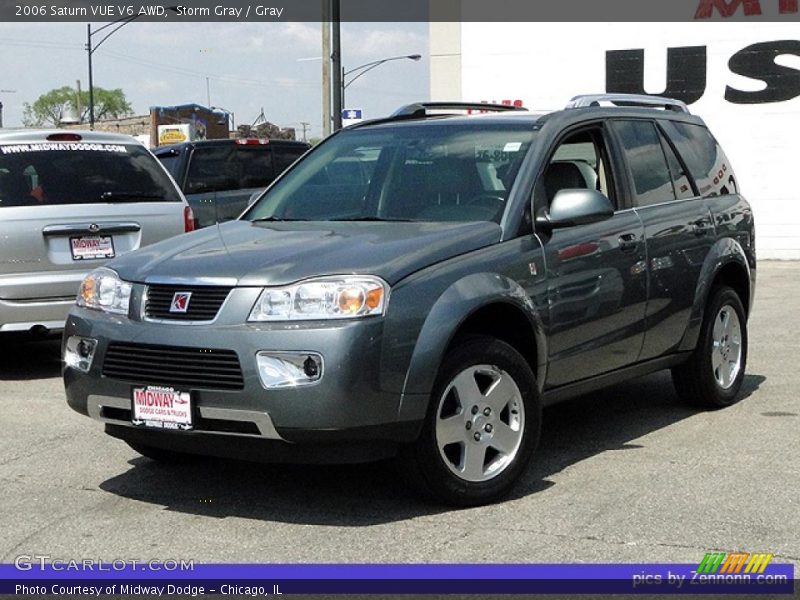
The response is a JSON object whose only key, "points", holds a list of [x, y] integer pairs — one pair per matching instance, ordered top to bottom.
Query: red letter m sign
{"points": [[727, 8]]}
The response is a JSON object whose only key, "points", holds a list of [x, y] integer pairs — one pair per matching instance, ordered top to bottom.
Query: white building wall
{"points": [[545, 64]]}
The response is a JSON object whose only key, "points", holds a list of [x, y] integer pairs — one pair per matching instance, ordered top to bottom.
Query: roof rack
{"points": [[628, 100], [421, 109]]}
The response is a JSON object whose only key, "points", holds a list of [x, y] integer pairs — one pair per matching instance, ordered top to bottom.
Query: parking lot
{"points": [[626, 475]]}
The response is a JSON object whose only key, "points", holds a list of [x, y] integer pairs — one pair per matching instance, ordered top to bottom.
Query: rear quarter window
{"points": [[703, 156], [81, 173]]}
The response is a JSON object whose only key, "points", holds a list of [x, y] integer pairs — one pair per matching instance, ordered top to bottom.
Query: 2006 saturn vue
{"points": [[420, 286]]}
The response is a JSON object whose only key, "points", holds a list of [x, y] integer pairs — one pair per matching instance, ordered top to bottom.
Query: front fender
{"points": [[725, 251], [453, 307]]}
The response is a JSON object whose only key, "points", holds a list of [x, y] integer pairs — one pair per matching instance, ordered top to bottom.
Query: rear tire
{"points": [[713, 375], [482, 425], [162, 455]]}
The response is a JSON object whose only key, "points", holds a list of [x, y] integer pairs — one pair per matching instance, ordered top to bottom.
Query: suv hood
{"points": [[259, 254]]}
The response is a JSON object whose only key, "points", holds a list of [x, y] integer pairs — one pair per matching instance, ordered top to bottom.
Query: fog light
{"points": [[79, 353], [288, 369]]}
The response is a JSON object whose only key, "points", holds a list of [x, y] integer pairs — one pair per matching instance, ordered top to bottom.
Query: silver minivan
{"points": [[70, 201]]}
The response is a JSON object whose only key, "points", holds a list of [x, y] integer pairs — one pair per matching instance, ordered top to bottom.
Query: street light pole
{"points": [[90, 50], [366, 67]]}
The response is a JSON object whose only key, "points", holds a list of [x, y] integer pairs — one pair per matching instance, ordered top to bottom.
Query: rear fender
{"points": [[724, 252]]}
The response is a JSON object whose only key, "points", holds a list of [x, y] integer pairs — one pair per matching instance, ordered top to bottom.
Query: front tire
{"points": [[713, 375], [482, 425]]}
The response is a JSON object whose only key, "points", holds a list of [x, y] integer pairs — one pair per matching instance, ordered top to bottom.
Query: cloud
{"points": [[371, 41]]}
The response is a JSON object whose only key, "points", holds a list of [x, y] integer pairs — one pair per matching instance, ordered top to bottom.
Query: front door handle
{"points": [[628, 242]]}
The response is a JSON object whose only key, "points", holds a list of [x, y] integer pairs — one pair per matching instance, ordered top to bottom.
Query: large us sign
{"points": [[687, 67]]}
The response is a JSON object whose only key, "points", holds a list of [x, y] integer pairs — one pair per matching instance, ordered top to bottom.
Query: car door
{"points": [[678, 230], [596, 279]]}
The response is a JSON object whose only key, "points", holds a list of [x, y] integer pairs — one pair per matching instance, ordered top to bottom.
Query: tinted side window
{"points": [[704, 158], [646, 161], [171, 162], [229, 167], [256, 168], [210, 170], [680, 179]]}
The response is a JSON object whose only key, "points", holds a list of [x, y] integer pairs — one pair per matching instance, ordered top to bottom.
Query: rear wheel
{"points": [[713, 376], [482, 425], [161, 454]]}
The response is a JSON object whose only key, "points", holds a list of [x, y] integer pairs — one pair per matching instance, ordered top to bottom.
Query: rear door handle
{"points": [[628, 242]]}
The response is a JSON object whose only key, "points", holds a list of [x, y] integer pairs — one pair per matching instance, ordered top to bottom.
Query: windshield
{"points": [[424, 172], [81, 173]]}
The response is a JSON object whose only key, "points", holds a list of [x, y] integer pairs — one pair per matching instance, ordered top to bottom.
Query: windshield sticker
{"points": [[62, 147], [512, 147]]}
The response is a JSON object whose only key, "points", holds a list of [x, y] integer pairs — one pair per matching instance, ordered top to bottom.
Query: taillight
{"points": [[64, 137], [252, 141], [189, 223]]}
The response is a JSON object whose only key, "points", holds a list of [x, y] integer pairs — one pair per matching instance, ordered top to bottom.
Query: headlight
{"points": [[102, 289], [343, 297]]}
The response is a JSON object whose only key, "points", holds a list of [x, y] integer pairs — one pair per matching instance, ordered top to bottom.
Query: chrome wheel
{"points": [[726, 348], [480, 421]]}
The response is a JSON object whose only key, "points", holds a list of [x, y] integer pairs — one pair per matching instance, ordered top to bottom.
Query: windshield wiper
{"points": [[128, 195]]}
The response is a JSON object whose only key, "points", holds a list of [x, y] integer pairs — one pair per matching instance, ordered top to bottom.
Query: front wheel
{"points": [[713, 375], [482, 425]]}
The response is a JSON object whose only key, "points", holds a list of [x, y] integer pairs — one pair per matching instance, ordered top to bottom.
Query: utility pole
{"points": [[336, 64], [326, 67], [208, 92], [78, 101], [304, 125]]}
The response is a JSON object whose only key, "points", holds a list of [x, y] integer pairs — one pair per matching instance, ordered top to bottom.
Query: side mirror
{"points": [[572, 207]]}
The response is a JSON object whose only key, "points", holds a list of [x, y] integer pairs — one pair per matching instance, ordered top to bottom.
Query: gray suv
{"points": [[69, 202], [471, 270]]}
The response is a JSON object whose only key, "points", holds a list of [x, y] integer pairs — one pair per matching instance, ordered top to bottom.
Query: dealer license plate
{"points": [[87, 247], [162, 408]]}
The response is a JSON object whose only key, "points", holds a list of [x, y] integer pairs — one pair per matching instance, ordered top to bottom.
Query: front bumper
{"points": [[349, 404]]}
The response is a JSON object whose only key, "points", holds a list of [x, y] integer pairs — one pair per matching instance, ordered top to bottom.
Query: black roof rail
{"points": [[642, 100], [421, 109]]}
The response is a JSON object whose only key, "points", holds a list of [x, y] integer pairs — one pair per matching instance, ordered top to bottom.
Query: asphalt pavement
{"points": [[626, 475]]}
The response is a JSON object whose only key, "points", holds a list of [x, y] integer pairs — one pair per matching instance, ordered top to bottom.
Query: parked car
{"points": [[219, 177], [70, 201], [470, 271]]}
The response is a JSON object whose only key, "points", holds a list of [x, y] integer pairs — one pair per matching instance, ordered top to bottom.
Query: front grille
{"points": [[203, 305], [177, 366]]}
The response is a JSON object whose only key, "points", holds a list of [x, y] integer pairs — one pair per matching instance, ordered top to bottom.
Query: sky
{"points": [[249, 66]]}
